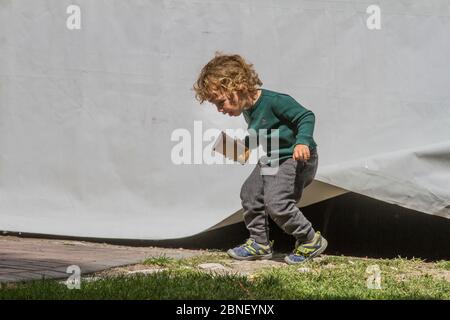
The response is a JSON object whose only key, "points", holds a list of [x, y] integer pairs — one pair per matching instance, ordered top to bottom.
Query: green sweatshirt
{"points": [[275, 110]]}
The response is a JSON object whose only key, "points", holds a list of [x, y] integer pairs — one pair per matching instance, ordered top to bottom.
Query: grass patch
{"points": [[160, 261], [164, 261], [443, 265], [329, 278], [349, 281], [180, 284]]}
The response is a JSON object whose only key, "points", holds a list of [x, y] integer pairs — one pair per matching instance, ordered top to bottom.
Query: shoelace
{"points": [[247, 244], [249, 248], [301, 250]]}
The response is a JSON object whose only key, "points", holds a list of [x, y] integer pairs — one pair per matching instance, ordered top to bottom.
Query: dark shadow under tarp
{"points": [[354, 225]]}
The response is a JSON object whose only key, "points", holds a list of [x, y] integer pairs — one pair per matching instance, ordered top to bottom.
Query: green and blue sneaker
{"points": [[252, 250], [307, 250]]}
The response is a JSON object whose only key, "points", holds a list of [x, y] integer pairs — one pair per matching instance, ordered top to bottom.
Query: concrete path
{"points": [[23, 259]]}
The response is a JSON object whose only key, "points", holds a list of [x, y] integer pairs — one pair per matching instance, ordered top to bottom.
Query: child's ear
{"points": [[236, 96]]}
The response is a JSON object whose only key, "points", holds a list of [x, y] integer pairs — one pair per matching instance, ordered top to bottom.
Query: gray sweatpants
{"points": [[277, 196]]}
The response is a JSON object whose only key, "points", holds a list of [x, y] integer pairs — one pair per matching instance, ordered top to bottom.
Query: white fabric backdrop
{"points": [[86, 116]]}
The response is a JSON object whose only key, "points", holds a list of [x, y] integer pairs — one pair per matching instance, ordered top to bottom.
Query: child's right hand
{"points": [[301, 152], [244, 156]]}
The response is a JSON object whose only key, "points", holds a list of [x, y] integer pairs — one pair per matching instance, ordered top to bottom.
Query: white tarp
{"points": [[86, 115]]}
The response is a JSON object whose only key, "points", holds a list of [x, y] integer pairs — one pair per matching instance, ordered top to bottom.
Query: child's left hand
{"points": [[301, 152]]}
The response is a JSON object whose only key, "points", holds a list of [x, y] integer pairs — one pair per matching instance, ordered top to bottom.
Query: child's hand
{"points": [[301, 152], [244, 156]]}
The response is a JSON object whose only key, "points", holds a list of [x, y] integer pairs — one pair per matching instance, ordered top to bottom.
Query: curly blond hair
{"points": [[227, 74]]}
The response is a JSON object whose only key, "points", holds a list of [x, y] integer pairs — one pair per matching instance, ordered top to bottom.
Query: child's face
{"points": [[232, 106]]}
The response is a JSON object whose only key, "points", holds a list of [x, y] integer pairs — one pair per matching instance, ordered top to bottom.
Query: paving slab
{"points": [[24, 259]]}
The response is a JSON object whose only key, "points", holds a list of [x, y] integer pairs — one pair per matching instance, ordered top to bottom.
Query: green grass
{"points": [[160, 261], [164, 261], [444, 265], [330, 278]]}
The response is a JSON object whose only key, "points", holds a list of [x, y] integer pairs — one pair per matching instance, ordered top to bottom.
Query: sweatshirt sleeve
{"points": [[289, 110]]}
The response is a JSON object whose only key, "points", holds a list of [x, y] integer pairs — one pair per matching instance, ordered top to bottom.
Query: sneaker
{"points": [[251, 250], [308, 250]]}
